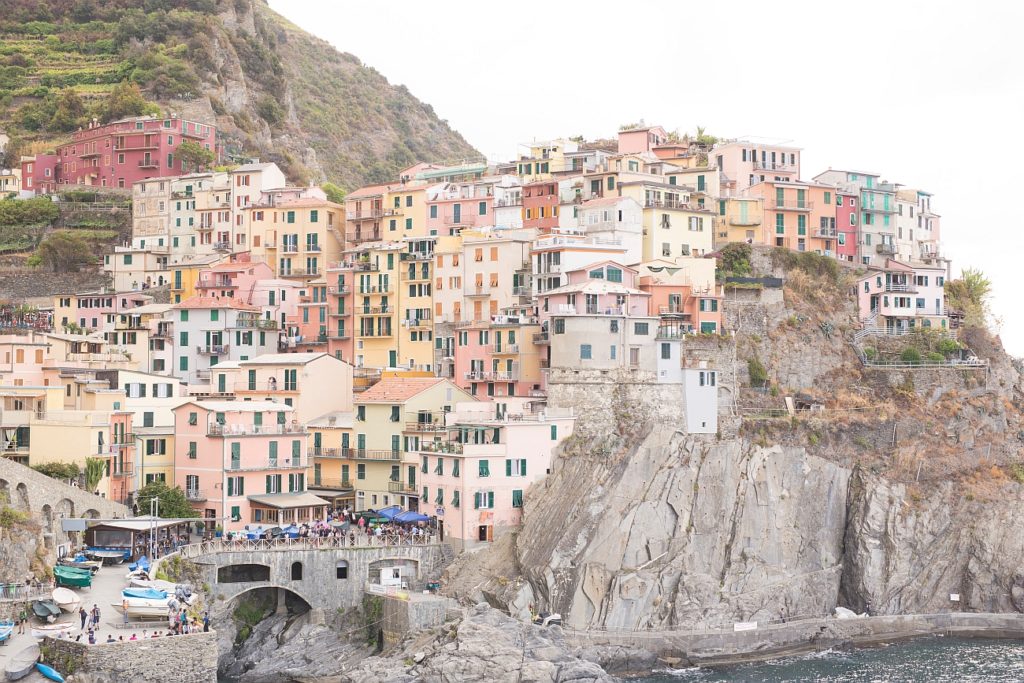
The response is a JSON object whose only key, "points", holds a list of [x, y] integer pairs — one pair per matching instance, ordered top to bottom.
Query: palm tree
{"points": [[95, 468]]}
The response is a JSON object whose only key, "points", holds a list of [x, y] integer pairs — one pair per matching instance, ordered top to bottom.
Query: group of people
{"points": [[179, 622]]}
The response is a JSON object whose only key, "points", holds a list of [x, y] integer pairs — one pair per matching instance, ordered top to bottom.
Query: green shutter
{"points": [[554, 432], [508, 468], [268, 483], [231, 486], [476, 500], [490, 500]]}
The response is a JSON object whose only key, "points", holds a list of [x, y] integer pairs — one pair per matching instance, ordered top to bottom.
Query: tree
{"points": [[124, 100], [69, 112], [703, 138], [193, 155], [334, 193], [38, 211], [65, 252], [736, 259], [970, 294], [95, 468], [59, 470], [173, 503]]}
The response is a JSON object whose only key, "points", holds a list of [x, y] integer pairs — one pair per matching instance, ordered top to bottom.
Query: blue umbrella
{"points": [[390, 512], [410, 517]]}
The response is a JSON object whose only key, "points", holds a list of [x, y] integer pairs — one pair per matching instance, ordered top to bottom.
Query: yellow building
{"points": [[542, 159], [740, 219], [674, 223], [298, 238], [185, 275], [391, 419], [155, 454], [331, 474]]}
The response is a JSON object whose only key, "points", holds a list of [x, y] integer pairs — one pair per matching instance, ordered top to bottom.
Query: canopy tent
{"points": [[389, 512], [409, 517]]}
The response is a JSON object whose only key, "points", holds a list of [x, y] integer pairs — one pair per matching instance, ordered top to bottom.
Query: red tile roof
{"points": [[216, 302], [397, 389]]}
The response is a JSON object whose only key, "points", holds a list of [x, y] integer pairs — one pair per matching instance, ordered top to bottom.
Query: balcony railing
{"points": [[149, 163], [775, 166], [792, 205], [362, 215], [461, 219], [744, 222], [825, 233], [365, 236], [222, 246], [313, 247], [289, 248], [885, 249], [301, 272], [899, 287], [339, 289], [376, 289], [480, 290], [522, 291], [374, 310], [675, 311], [418, 322], [256, 323], [339, 334], [541, 338], [212, 349], [505, 349], [492, 376], [266, 386], [425, 427], [255, 430], [127, 439], [441, 447], [269, 464], [331, 483], [402, 487], [195, 495]]}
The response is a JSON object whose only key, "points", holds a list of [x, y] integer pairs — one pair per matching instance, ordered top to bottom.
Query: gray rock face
{"points": [[485, 646]]}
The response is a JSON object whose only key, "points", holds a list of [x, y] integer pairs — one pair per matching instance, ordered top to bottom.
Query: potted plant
{"points": [[218, 531]]}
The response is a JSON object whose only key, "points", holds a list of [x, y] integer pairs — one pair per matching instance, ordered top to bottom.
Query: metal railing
{"points": [[775, 166], [793, 205], [255, 323], [212, 349], [266, 386], [430, 427], [250, 430], [269, 464], [401, 487], [195, 495], [356, 539], [21, 592]]}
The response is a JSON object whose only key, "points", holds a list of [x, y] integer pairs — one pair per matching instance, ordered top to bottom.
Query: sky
{"points": [[927, 94]]}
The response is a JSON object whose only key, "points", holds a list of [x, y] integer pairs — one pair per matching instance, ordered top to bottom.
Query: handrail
{"points": [[355, 538]]}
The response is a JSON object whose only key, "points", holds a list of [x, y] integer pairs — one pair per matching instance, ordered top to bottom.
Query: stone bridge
{"points": [[48, 500], [327, 574]]}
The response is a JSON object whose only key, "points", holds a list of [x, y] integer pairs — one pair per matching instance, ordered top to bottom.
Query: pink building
{"points": [[644, 139], [123, 152], [744, 164], [39, 173], [452, 208], [846, 225], [235, 280], [602, 288], [900, 297], [306, 329], [498, 358], [243, 462], [476, 478]]}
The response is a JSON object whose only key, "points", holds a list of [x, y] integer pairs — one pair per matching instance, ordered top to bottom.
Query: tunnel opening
{"points": [[243, 573]]}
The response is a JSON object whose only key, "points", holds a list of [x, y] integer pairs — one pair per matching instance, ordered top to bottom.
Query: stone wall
{"points": [[752, 311], [48, 500], [175, 659]]}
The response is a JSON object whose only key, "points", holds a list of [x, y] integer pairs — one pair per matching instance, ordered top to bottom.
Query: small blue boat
{"points": [[142, 563], [144, 593], [6, 629], [49, 672]]}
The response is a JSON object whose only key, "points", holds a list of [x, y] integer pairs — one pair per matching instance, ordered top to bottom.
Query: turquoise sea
{"points": [[931, 660]]}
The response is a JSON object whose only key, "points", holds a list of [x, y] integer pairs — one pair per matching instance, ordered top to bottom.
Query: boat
{"points": [[112, 555], [83, 563], [141, 564], [70, 576], [158, 584], [145, 593], [66, 599], [146, 608], [46, 609], [6, 629], [53, 630], [21, 664], [49, 672]]}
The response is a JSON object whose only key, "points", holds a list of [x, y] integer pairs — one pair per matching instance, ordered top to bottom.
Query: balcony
{"points": [[149, 163], [775, 166], [179, 194], [671, 204], [792, 205], [877, 209], [363, 215], [461, 219], [744, 221], [825, 233], [365, 236], [222, 246], [289, 248], [315, 248], [885, 249], [417, 256], [364, 266], [301, 272], [416, 275], [900, 287], [376, 289], [341, 290], [479, 290], [522, 291], [375, 310], [673, 311], [339, 314], [418, 322], [255, 323], [670, 333], [339, 334], [541, 339], [212, 349], [505, 350], [493, 376], [271, 385], [425, 427], [255, 430], [121, 440], [369, 454], [270, 464], [122, 469], [330, 483], [408, 488], [195, 495]]}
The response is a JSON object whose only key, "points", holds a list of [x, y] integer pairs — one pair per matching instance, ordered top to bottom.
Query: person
{"points": [[124, 608], [82, 613], [96, 614], [22, 618], [206, 622], [92, 637], [134, 637], [110, 638], [120, 639]]}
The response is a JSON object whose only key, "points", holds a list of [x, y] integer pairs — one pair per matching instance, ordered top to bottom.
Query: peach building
{"points": [[744, 164], [798, 215], [244, 463], [476, 475]]}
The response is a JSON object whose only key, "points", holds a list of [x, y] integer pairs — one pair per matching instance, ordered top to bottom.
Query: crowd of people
{"points": [[344, 526]]}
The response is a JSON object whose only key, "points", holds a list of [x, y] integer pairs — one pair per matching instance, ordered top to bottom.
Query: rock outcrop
{"points": [[485, 645]]}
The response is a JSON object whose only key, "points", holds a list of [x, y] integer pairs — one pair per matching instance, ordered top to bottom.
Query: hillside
{"points": [[276, 92]]}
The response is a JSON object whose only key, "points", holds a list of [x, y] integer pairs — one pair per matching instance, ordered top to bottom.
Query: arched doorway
{"points": [[21, 498], [296, 571]]}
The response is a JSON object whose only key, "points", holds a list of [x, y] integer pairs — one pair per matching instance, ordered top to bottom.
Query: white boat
{"points": [[168, 587], [66, 599], [142, 607], [53, 630], [22, 663]]}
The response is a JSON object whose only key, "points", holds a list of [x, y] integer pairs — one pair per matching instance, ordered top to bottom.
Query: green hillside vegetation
{"points": [[275, 91]]}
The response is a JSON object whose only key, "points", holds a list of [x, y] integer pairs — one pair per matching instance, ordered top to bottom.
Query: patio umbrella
{"points": [[389, 512], [410, 517]]}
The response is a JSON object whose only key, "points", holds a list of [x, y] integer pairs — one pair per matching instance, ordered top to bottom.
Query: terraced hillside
{"points": [[274, 91]]}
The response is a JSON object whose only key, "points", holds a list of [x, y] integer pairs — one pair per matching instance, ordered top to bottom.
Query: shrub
{"points": [[948, 346], [870, 353], [910, 355], [935, 357], [758, 373]]}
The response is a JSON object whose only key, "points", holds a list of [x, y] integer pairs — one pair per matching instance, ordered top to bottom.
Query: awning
{"points": [[289, 500], [409, 517]]}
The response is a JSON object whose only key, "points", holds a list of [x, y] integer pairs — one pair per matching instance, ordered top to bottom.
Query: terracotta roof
{"points": [[367, 191], [307, 201], [603, 201], [216, 302], [397, 389]]}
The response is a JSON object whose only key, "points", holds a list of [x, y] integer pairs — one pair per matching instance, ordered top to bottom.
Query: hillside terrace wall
{"points": [[169, 659]]}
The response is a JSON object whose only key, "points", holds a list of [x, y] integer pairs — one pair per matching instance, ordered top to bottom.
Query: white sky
{"points": [[928, 94]]}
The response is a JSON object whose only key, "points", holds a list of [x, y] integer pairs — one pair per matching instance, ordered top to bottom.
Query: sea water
{"points": [[927, 660]]}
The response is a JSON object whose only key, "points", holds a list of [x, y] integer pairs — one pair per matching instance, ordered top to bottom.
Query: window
{"points": [[482, 208], [433, 214], [314, 216], [780, 223], [559, 325], [640, 329], [666, 351], [585, 352], [361, 413], [396, 413], [192, 450], [515, 467], [484, 469], [517, 498], [483, 500], [341, 570]]}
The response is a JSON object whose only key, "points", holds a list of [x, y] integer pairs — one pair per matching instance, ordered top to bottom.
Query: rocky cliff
{"points": [[902, 488]]}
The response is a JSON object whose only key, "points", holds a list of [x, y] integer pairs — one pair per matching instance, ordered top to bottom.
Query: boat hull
{"points": [[66, 599], [158, 611], [6, 629], [52, 630], [22, 664], [49, 672]]}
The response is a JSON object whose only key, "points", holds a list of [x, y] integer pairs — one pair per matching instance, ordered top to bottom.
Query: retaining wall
{"points": [[169, 659]]}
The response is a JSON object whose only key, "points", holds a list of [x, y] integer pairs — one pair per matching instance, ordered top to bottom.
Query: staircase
{"points": [[869, 326], [442, 559]]}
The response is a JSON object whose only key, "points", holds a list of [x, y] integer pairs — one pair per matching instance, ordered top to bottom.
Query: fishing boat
{"points": [[109, 555], [83, 563], [141, 564], [69, 576], [158, 584], [145, 593], [66, 599], [46, 610], [6, 629], [53, 630], [21, 664], [49, 672]]}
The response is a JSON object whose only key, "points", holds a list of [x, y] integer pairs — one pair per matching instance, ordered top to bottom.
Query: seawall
{"points": [[707, 648], [170, 659]]}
